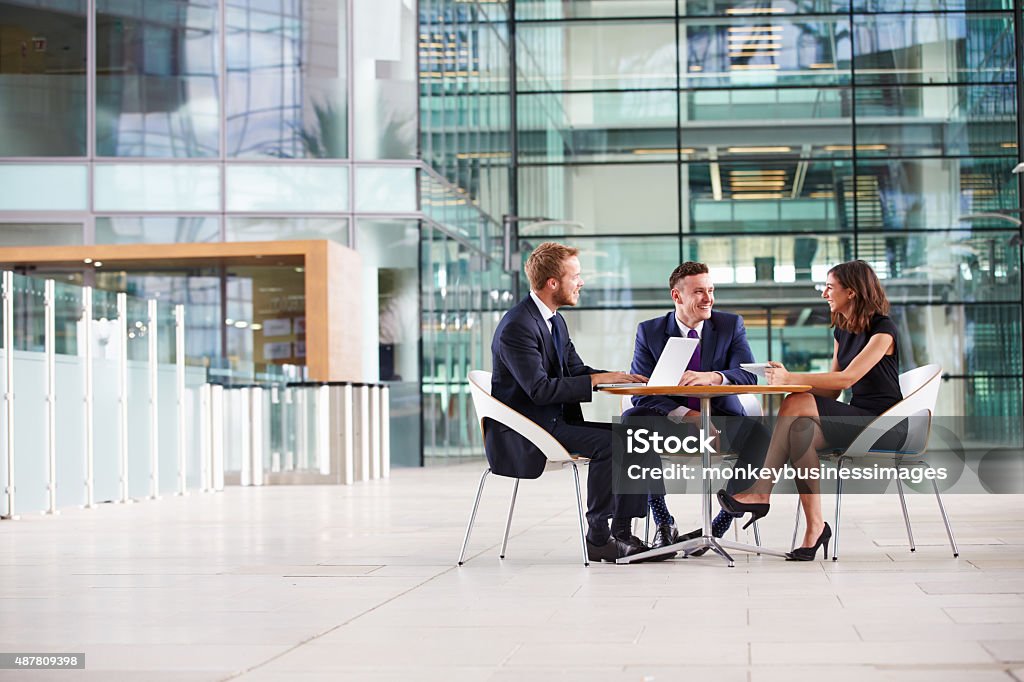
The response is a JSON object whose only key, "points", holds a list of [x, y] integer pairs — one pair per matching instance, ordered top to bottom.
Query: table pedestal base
{"points": [[710, 542]]}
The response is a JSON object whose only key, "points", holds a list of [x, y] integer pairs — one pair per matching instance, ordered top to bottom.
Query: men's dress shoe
{"points": [[666, 534], [617, 548]]}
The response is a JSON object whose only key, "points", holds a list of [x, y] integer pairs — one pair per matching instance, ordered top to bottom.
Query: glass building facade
{"points": [[770, 139]]}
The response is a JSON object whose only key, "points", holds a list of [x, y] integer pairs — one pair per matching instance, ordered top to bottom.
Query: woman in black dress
{"points": [[865, 360]]}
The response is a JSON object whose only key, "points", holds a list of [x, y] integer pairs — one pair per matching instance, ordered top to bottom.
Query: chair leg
{"points": [[839, 501], [579, 509], [472, 516], [906, 516], [945, 520], [508, 523], [796, 525], [647, 526], [757, 536]]}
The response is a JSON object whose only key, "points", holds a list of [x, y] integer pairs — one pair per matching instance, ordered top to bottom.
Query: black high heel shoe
{"points": [[737, 509], [807, 553]]}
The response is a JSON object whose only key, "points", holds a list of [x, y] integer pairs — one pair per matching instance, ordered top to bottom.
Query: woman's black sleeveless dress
{"points": [[876, 392]]}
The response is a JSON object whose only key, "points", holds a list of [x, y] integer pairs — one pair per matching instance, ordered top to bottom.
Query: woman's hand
{"points": [[776, 374]]}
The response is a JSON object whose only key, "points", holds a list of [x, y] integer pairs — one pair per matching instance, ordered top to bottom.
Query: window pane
{"points": [[545, 9], [942, 48], [765, 51], [606, 55], [156, 78], [42, 79], [286, 79], [385, 87], [979, 120], [582, 126], [38, 187], [157, 187], [287, 188], [391, 190], [929, 193], [770, 195], [606, 199], [274, 229], [157, 230], [40, 234], [957, 266], [978, 339]]}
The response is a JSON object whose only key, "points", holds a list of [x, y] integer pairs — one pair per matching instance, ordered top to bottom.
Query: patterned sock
{"points": [[660, 510], [721, 524]]}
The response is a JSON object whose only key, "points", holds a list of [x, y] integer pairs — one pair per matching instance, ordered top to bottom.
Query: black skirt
{"points": [[841, 423]]}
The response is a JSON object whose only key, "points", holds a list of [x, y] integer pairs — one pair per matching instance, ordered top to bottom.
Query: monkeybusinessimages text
{"points": [[645, 441]]}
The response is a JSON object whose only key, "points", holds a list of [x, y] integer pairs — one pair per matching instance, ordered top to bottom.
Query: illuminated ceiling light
{"points": [[755, 10], [754, 29], [752, 39], [753, 54], [823, 66], [696, 67], [754, 67], [1009, 145], [860, 147], [759, 150], [642, 152], [483, 155], [757, 172], [757, 183], [762, 195], [822, 195], [87, 261], [98, 264], [241, 324], [256, 327]]}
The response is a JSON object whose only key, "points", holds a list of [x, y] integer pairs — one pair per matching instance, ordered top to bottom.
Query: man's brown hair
{"points": [[547, 261], [685, 270], [869, 297]]}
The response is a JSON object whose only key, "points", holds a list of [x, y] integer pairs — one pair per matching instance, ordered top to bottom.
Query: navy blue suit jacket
{"points": [[723, 346], [526, 376]]}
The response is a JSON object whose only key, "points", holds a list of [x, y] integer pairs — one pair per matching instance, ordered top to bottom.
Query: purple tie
{"points": [[694, 365]]}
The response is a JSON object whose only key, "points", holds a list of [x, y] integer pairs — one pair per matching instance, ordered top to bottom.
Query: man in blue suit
{"points": [[723, 346], [537, 372]]}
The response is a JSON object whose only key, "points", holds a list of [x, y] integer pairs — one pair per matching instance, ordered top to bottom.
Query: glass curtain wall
{"points": [[773, 140]]}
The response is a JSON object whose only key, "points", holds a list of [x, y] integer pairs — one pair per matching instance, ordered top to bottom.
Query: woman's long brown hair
{"points": [[869, 296]]}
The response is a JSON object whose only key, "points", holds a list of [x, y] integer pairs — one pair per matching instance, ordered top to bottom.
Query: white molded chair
{"points": [[920, 389], [488, 407]]}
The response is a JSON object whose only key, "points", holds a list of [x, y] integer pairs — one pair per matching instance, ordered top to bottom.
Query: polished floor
{"points": [[360, 583]]}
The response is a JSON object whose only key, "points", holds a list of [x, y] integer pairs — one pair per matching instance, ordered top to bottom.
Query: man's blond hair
{"points": [[547, 261]]}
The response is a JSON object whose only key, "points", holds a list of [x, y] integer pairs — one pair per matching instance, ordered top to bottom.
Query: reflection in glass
{"points": [[939, 48], [763, 51], [601, 56], [42, 78], [156, 78], [286, 79], [385, 92], [43, 187], [156, 187], [287, 187], [280, 229], [156, 230], [40, 234]]}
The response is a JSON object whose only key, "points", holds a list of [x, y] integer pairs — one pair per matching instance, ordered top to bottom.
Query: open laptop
{"points": [[670, 367]]}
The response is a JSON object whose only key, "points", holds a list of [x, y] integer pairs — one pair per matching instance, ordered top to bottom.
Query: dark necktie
{"points": [[556, 338], [694, 365]]}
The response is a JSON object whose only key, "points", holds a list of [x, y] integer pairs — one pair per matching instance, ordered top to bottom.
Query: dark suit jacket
{"points": [[723, 346], [526, 377]]}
